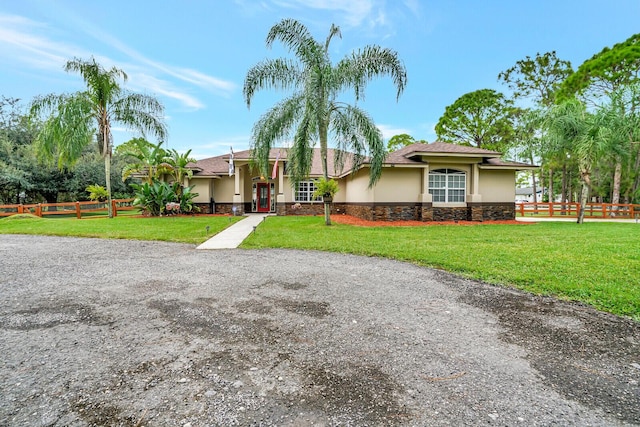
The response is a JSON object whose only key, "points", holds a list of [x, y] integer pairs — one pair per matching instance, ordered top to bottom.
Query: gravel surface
{"points": [[127, 333]]}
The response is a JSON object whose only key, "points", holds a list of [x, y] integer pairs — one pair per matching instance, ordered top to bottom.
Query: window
{"points": [[447, 185], [304, 192]]}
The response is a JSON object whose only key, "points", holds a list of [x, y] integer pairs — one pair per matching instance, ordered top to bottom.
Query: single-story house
{"points": [[427, 182], [526, 194]]}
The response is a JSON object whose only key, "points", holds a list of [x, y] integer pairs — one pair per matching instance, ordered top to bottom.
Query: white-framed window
{"points": [[447, 185], [304, 192]]}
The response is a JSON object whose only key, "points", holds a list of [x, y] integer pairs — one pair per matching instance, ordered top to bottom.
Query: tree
{"points": [[606, 71], [538, 78], [314, 110], [482, 119], [72, 120], [570, 124], [620, 129], [396, 142], [150, 159], [177, 163]]}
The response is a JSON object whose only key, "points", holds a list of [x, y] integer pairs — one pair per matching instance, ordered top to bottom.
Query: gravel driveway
{"points": [[128, 333]]}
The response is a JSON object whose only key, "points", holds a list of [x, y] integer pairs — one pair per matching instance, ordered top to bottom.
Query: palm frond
{"points": [[297, 38], [356, 70], [271, 74], [141, 113], [274, 126], [357, 133], [300, 155]]}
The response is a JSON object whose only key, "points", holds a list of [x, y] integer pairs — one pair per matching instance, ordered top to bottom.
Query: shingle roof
{"points": [[409, 155], [219, 165]]}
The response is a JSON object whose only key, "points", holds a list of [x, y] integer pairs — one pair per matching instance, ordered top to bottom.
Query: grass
{"points": [[171, 229], [595, 263]]}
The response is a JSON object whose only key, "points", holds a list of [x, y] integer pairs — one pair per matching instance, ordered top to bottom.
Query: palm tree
{"points": [[314, 109], [71, 120], [569, 124], [151, 159], [177, 165]]}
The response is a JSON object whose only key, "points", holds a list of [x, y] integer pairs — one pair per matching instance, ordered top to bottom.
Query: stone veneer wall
{"points": [[222, 208], [304, 209], [498, 211], [388, 212], [426, 212]]}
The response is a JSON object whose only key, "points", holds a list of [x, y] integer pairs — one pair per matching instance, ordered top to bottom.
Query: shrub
{"points": [[97, 193], [154, 198]]}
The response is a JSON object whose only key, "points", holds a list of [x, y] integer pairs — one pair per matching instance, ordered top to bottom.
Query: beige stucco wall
{"points": [[399, 185], [497, 186], [202, 187], [357, 187], [223, 189]]}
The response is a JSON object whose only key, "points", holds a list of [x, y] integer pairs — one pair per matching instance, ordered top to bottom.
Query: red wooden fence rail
{"points": [[67, 208], [595, 210]]}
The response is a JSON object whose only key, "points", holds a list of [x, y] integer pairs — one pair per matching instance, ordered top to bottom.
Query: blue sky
{"points": [[194, 54]]}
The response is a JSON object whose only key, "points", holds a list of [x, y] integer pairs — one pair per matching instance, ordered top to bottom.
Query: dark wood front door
{"points": [[264, 204]]}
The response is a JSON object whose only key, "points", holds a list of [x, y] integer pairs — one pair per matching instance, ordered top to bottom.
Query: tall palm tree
{"points": [[314, 109], [72, 120]]}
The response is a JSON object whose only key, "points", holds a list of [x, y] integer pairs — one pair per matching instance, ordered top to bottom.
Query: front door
{"points": [[263, 197]]}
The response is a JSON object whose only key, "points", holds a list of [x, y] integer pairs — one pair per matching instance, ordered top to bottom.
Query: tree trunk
{"points": [[107, 167], [325, 168], [107, 174], [636, 181], [564, 183], [550, 186], [584, 195], [615, 196]]}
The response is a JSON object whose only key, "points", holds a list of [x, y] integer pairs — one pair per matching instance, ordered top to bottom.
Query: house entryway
{"points": [[263, 197], [263, 204]]}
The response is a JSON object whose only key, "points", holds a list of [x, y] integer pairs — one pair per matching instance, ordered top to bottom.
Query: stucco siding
{"points": [[398, 185], [497, 186], [202, 187], [357, 188], [223, 189]]}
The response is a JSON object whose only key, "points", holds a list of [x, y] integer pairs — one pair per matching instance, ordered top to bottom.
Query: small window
{"points": [[447, 186], [304, 192]]}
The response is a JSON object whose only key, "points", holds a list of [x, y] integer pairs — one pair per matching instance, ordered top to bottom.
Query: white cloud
{"points": [[354, 12], [20, 42], [29, 44], [143, 81], [389, 131]]}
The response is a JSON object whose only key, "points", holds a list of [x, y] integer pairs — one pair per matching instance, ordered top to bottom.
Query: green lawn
{"points": [[172, 229], [596, 263]]}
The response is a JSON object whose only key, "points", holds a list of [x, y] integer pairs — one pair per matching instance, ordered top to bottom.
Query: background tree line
{"points": [[581, 126], [23, 178]]}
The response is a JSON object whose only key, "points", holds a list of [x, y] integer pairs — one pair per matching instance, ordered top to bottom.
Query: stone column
{"points": [[281, 208]]}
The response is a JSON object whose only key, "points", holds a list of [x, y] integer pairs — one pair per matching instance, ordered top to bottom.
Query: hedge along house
{"points": [[427, 182]]}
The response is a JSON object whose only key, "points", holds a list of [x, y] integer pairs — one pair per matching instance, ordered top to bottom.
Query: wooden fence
{"points": [[69, 208], [592, 210]]}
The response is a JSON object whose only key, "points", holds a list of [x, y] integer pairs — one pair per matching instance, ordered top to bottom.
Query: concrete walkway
{"points": [[231, 237]]}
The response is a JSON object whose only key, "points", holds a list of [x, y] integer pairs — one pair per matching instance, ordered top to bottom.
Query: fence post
{"points": [[20, 208], [115, 208], [521, 209], [550, 209], [39, 210], [604, 210], [78, 214]]}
